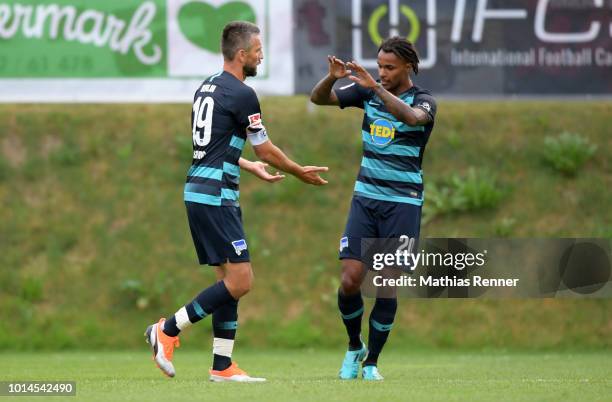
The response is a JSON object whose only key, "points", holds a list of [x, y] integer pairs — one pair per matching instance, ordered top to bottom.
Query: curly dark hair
{"points": [[403, 49]]}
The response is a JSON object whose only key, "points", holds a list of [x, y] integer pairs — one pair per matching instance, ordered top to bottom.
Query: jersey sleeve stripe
{"points": [[237, 142]]}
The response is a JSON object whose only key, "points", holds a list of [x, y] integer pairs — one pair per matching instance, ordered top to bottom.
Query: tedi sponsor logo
{"points": [[382, 132]]}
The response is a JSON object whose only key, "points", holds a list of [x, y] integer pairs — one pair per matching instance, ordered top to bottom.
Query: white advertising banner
{"points": [[132, 51]]}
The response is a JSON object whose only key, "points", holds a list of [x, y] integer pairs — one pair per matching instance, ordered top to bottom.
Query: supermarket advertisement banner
{"points": [[130, 50]]}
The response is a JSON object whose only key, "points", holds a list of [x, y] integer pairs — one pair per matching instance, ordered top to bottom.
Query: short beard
{"points": [[249, 71]]}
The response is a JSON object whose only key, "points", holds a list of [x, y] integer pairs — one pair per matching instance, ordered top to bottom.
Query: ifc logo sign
{"points": [[400, 14]]}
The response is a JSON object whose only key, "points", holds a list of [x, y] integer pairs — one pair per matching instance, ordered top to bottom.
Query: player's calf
{"points": [[381, 322]]}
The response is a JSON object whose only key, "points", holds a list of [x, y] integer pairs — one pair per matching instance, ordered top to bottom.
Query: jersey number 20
{"points": [[202, 120]]}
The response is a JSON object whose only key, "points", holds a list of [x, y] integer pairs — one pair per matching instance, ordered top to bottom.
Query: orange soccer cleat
{"points": [[162, 347], [232, 373]]}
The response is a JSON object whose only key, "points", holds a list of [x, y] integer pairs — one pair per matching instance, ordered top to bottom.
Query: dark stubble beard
{"points": [[249, 71]]}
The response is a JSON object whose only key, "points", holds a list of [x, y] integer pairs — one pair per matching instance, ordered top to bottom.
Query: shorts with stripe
{"points": [[376, 219], [217, 233]]}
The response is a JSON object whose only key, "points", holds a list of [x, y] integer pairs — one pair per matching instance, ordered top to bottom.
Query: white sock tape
{"points": [[182, 319], [223, 347]]}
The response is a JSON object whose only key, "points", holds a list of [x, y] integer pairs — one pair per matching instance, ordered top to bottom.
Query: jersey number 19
{"points": [[202, 120]]}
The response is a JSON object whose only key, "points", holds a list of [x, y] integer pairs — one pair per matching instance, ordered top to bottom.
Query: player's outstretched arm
{"points": [[322, 93], [395, 106], [271, 154], [259, 169]]}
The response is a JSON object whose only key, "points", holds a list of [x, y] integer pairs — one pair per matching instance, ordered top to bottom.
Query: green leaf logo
{"points": [[202, 23]]}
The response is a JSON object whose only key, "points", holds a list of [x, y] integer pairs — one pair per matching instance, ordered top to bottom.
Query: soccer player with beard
{"points": [[225, 114], [388, 195]]}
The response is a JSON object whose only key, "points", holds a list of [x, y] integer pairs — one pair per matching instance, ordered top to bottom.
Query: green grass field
{"points": [[94, 241], [94, 245], [310, 375]]}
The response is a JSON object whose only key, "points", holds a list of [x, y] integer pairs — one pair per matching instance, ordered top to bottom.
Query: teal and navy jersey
{"points": [[223, 109], [392, 150]]}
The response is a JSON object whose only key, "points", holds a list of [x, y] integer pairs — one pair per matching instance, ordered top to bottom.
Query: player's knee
{"points": [[351, 277], [240, 282], [247, 283], [350, 283], [238, 289], [241, 290]]}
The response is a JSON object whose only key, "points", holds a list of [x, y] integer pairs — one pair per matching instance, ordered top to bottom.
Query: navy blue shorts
{"points": [[376, 219], [217, 233]]}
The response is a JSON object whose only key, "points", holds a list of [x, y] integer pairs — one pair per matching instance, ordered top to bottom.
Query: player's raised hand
{"points": [[337, 68], [361, 77], [259, 169], [310, 175]]}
